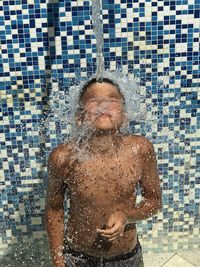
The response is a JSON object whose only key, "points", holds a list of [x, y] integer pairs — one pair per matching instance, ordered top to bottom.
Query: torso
{"points": [[98, 187]]}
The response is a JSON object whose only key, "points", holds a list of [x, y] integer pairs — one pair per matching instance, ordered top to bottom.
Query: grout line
{"points": [[180, 257], [169, 259], [187, 260]]}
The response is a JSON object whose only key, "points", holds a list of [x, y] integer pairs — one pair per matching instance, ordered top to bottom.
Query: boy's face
{"points": [[103, 107]]}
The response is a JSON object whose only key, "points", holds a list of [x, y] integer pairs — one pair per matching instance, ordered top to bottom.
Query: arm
{"points": [[150, 187], [150, 204], [54, 206]]}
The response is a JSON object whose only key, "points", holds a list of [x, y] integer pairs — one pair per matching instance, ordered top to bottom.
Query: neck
{"points": [[103, 141]]}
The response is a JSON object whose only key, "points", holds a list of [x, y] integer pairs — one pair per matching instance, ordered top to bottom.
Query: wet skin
{"points": [[103, 185], [99, 187]]}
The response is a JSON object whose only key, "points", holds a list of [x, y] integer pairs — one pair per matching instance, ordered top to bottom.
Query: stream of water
{"points": [[98, 32]]}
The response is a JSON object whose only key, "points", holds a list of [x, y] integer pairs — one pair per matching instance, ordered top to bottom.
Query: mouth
{"points": [[104, 115]]}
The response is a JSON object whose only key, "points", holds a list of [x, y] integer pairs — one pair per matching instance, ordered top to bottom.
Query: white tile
{"points": [[191, 256], [156, 260], [177, 261]]}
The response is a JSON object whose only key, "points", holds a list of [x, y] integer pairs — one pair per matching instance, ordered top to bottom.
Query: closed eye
{"points": [[92, 99], [114, 99]]}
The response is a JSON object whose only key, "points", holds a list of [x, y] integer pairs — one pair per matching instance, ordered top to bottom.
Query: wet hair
{"points": [[92, 81]]}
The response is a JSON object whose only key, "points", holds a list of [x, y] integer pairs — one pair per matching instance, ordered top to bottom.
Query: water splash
{"points": [[98, 32], [64, 105]]}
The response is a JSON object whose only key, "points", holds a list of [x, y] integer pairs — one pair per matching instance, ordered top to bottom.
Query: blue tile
{"points": [[174, 56]]}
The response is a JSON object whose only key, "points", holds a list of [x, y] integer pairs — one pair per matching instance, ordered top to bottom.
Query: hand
{"points": [[115, 226]]}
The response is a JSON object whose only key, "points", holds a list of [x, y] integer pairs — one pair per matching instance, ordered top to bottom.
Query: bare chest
{"points": [[105, 179]]}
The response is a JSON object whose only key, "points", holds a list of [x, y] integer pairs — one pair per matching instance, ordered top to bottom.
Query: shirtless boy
{"points": [[101, 228]]}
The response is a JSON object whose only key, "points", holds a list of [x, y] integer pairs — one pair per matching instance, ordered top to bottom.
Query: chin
{"points": [[103, 125], [106, 126], [106, 129]]}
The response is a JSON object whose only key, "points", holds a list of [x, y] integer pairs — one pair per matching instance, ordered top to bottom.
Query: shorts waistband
{"points": [[108, 259]]}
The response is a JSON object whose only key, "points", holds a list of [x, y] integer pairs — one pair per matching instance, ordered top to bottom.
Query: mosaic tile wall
{"points": [[159, 40]]}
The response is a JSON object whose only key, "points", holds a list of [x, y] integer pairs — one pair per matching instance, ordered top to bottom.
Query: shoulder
{"points": [[142, 142], [60, 154]]}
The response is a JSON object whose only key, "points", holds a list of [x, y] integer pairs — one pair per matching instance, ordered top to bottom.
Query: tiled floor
{"points": [[178, 259]]}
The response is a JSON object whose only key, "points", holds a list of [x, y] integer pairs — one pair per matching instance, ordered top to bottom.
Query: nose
{"points": [[104, 103], [103, 106]]}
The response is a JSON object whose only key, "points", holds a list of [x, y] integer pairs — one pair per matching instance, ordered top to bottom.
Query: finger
{"points": [[111, 222], [111, 231], [118, 234], [111, 235], [114, 239]]}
